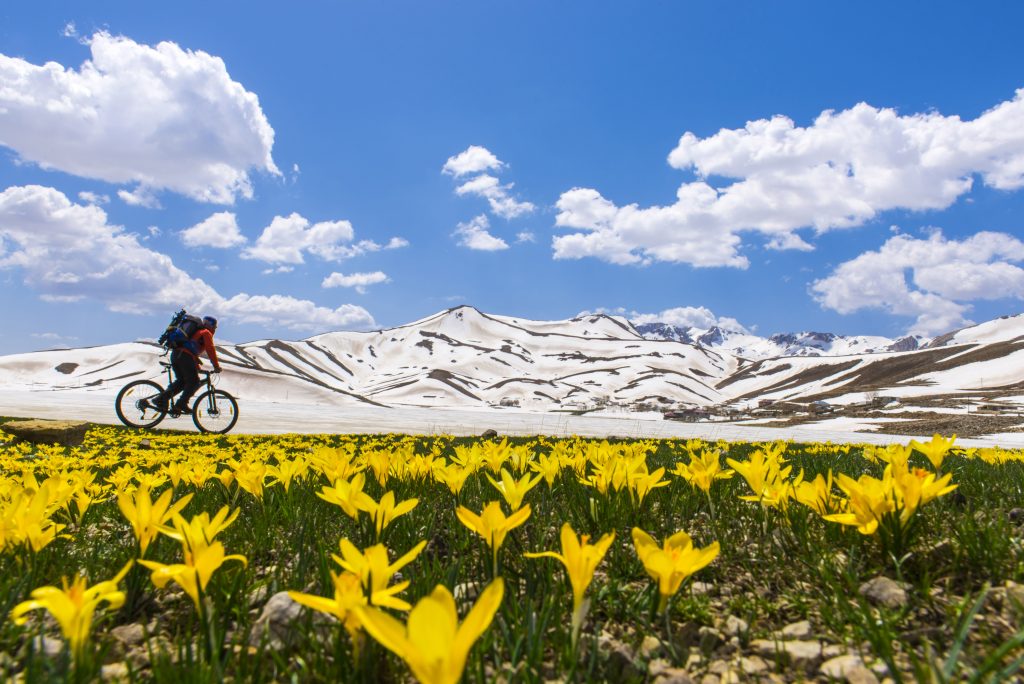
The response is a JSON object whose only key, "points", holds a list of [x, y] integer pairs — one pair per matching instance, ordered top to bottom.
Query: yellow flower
{"points": [[935, 450], [548, 467], [703, 470], [286, 471], [452, 476], [766, 476], [642, 483], [512, 489], [816, 494], [348, 495], [386, 510], [146, 516], [26, 517], [492, 525], [202, 555], [580, 560], [672, 563], [374, 571], [348, 595], [73, 606], [433, 643]]}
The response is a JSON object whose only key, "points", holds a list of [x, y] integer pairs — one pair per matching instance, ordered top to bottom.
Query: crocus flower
{"points": [[934, 450], [512, 489], [348, 495], [386, 510], [147, 516], [492, 525], [580, 559], [672, 563], [375, 571], [348, 595], [73, 605], [432, 642]]}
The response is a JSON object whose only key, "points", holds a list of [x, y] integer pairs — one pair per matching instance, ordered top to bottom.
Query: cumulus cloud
{"points": [[161, 118], [473, 159], [476, 159], [842, 170], [498, 196], [93, 197], [219, 230], [474, 234], [288, 238], [68, 252], [932, 279], [359, 281], [681, 316], [688, 317]]}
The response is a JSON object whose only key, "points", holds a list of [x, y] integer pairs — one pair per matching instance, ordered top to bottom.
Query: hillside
{"points": [[465, 358]]}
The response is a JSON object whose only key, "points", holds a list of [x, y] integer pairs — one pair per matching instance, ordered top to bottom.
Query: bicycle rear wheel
{"points": [[134, 404], [215, 411]]}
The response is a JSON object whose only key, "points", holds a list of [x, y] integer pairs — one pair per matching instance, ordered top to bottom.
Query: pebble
{"points": [[883, 591], [734, 626], [797, 630], [114, 672]]}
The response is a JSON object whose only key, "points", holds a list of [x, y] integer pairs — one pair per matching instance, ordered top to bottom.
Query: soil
{"points": [[921, 423], [962, 425]]}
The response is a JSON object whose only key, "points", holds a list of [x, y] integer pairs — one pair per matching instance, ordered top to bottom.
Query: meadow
{"points": [[168, 557]]}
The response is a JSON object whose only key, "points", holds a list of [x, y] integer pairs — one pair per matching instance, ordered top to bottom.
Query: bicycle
{"points": [[214, 410]]}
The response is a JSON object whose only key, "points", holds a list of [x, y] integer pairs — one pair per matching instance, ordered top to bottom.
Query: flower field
{"points": [[188, 558]]}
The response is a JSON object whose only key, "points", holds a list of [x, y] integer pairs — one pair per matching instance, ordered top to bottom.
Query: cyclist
{"points": [[186, 362]]}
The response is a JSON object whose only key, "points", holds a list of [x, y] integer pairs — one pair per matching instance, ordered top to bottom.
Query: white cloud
{"points": [[70, 31], [162, 117], [473, 159], [477, 160], [842, 170], [497, 195], [142, 196], [93, 198], [218, 230], [474, 235], [525, 236], [287, 238], [69, 252], [279, 269], [944, 276], [359, 281], [688, 317], [53, 337]]}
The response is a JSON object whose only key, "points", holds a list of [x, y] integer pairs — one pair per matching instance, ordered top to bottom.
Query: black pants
{"points": [[186, 379]]}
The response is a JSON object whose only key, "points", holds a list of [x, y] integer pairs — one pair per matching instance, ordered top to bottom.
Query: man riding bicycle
{"points": [[186, 362]]}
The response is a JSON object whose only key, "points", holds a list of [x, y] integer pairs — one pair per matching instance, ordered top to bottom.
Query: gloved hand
{"points": [[216, 370]]}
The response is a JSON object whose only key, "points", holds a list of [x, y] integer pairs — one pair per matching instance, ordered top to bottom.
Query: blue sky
{"points": [[355, 165]]}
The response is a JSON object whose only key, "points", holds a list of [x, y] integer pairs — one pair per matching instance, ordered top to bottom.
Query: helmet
{"points": [[210, 322]]}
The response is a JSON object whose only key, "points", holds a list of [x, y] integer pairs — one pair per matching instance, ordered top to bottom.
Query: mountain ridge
{"points": [[462, 357]]}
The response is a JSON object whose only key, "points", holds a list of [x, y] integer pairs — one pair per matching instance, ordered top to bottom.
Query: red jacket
{"points": [[203, 339]]}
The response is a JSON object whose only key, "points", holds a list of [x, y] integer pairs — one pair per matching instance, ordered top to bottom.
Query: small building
{"points": [[820, 406]]}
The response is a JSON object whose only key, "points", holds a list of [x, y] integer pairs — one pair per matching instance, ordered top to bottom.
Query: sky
{"points": [[298, 168]]}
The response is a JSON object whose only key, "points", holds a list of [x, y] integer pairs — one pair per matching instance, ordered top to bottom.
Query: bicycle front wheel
{"points": [[135, 404], [215, 411]]}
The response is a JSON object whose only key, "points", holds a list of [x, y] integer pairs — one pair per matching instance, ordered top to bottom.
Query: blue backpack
{"points": [[179, 332]]}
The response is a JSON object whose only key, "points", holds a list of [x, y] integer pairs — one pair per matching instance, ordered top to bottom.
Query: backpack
{"points": [[179, 332]]}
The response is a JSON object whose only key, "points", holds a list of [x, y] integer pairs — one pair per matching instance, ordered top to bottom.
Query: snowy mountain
{"points": [[741, 343], [465, 358]]}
